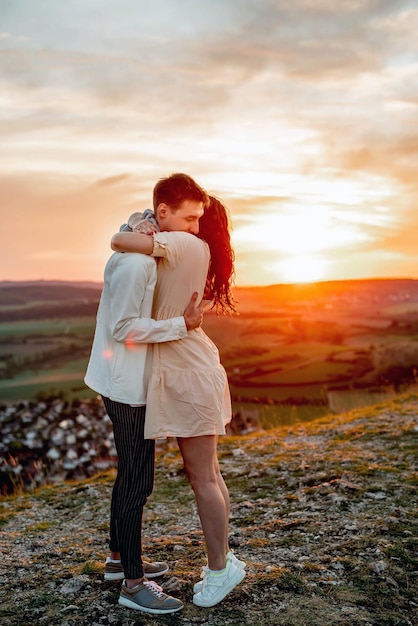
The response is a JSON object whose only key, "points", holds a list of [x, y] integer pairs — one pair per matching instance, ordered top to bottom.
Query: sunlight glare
{"points": [[297, 233], [301, 268]]}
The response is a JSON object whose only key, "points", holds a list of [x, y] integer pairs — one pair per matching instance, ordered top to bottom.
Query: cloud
{"points": [[113, 180]]}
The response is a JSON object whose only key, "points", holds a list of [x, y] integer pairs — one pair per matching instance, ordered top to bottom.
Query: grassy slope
{"points": [[324, 513]]}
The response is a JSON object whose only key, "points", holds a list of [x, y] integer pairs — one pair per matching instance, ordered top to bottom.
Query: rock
{"points": [[378, 567], [74, 584]]}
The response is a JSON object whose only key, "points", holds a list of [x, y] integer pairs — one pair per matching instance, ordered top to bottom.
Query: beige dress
{"points": [[188, 392]]}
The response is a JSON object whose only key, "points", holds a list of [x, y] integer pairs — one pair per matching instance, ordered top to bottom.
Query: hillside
{"points": [[47, 299], [21, 300], [312, 347], [325, 514]]}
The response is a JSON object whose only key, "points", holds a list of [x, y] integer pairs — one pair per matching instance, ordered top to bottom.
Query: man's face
{"points": [[185, 218]]}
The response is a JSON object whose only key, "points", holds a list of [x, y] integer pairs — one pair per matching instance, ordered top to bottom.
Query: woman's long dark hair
{"points": [[214, 228]]}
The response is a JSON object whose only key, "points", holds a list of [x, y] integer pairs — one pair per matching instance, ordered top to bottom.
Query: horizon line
{"points": [[9, 282]]}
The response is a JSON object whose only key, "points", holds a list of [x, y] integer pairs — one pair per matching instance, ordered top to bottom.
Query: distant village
{"points": [[52, 440]]}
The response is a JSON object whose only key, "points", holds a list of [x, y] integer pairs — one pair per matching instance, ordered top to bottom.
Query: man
{"points": [[119, 368]]}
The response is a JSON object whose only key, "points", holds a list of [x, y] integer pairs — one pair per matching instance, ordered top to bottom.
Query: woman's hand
{"points": [[138, 224], [145, 227]]}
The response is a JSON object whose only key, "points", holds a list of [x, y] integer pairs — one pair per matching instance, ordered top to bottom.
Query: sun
{"points": [[298, 243], [300, 247], [301, 268]]}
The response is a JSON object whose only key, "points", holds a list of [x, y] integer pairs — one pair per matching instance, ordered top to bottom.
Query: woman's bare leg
{"points": [[202, 469], [225, 494]]}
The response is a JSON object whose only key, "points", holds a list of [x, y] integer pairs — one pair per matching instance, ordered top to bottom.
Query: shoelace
{"points": [[203, 576], [154, 588]]}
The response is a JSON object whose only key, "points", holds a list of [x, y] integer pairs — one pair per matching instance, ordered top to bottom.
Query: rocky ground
{"points": [[325, 514]]}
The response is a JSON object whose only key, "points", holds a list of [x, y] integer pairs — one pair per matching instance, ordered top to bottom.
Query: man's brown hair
{"points": [[175, 189]]}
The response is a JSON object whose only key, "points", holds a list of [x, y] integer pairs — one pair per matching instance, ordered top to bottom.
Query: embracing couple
{"points": [[175, 387]]}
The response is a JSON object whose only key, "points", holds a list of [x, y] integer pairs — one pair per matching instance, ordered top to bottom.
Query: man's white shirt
{"points": [[121, 354]]}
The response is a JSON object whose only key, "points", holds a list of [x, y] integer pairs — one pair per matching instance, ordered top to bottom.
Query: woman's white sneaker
{"points": [[230, 557], [235, 560], [217, 584]]}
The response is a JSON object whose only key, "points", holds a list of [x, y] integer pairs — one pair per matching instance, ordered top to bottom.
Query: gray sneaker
{"points": [[230, 557], [114, 569], [217, 585], [149, 598]]}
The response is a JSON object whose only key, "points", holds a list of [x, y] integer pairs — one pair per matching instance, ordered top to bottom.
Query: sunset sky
{"points": [[302, 115]]}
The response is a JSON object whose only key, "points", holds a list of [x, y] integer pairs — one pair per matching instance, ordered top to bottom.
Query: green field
{"points": [[57, 327], [44, 356], [66, 379]]}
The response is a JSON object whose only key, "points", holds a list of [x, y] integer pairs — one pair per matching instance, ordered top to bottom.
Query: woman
{"points": [[188, 394]]}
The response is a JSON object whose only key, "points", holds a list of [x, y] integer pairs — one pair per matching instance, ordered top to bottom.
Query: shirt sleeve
{"points": [[173, 246], [131, 283]]}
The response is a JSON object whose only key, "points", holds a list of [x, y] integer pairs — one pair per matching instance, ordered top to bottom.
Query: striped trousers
{"points": [[134, 483]]}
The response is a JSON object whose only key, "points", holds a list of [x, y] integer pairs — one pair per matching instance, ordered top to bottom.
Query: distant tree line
{"points": [[41, 312]]}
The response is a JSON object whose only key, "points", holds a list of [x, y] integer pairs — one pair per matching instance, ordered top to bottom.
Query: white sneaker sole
{"points": [[198, 600], [138, 607]]}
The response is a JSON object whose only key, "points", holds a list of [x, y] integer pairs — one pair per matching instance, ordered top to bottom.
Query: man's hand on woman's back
{"points": [[193, 314]]}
